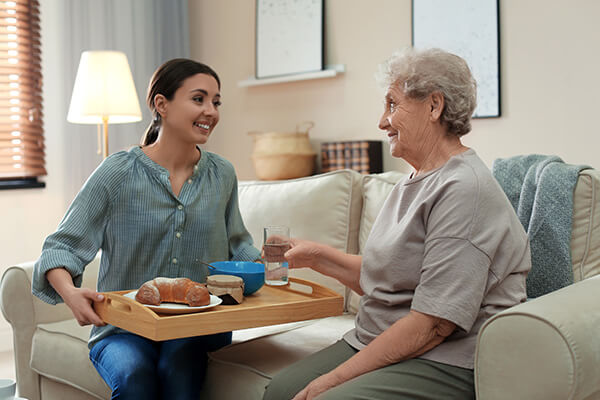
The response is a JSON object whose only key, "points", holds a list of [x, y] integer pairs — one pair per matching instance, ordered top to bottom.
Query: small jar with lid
{"points": [[229, 288]]}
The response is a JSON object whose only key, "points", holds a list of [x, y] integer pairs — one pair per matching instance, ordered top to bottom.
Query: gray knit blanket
{"points": [[540, 188]]}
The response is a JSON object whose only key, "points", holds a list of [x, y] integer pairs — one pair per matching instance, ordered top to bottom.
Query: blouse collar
{"points": [[159, 169]]}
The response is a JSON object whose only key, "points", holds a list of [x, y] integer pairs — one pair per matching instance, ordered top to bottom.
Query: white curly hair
{"points": [[419, 73]]}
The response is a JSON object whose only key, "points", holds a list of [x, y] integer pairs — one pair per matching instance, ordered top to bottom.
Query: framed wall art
{"points": [[470, 29], [289, 37]]}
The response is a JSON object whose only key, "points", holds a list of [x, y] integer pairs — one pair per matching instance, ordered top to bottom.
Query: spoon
{"points": [[207, 264]]}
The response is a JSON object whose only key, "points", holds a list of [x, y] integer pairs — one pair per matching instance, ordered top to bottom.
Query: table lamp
{"points": [[104, 92]]}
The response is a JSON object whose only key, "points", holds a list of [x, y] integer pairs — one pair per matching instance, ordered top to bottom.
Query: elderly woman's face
{"points": [[406, 123]]}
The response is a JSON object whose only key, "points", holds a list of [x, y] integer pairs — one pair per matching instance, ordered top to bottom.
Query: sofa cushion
{"points": [[375, 189], [324, 208], [585, 232], [244, 335], [57, 347], [242, 370], [52, 389]]}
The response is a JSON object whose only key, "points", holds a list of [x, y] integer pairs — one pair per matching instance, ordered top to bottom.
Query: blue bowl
{"points": [[252, 273]]}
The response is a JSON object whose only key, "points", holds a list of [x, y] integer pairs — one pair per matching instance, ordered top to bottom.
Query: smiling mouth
{"points": [[203, 126]]}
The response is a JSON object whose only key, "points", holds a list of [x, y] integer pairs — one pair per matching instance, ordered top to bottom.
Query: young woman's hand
{"points": [[79, 300]]}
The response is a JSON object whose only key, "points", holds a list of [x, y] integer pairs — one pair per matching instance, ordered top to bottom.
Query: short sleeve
{"points": [[453, 280]]}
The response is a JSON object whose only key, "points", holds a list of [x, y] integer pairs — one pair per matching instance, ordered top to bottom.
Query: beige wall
{"points": [[549, 78]]}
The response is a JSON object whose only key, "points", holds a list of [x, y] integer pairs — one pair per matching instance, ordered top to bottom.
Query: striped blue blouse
{"points": [[127, 209]]}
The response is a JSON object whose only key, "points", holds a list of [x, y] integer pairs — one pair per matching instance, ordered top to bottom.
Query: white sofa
{"points": [[547, 348]]}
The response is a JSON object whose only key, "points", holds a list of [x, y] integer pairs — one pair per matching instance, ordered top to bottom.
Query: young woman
{"points": [[153, 211]]}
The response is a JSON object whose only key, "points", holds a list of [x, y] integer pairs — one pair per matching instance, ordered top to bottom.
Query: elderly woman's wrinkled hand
{"points": [[275, 247], [302, 253], [316, 387]]}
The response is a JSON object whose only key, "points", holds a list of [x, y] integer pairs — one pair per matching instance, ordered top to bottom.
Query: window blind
{"points": [[21, 128]]}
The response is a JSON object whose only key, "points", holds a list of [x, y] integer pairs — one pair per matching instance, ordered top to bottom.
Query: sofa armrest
{"points": [[16, 302], [25, 312], [545, 348]]}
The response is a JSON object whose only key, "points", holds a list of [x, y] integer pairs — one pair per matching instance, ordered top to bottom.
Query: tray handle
{"points": [[317, 290], [115, 307]]}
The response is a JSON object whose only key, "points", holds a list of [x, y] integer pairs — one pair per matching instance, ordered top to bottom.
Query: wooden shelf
{"points": [[329, 72]]}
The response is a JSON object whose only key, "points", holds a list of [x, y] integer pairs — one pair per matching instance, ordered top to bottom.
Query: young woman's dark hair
{"points": [[166, 80]]}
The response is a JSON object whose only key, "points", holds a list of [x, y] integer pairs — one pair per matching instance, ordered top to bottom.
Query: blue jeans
{"points": [[138, 368]]}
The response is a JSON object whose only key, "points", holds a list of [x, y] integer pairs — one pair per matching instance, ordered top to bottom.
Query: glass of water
{"points": [[275, 243]]}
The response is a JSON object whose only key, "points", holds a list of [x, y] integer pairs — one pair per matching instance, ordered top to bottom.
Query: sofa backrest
{"points": [[375, 189], [325, 208], [338, 208], [585, 229]]}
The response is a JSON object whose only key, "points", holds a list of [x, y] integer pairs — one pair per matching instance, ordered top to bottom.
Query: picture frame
{"points": [[469, 29], [289, 37]]}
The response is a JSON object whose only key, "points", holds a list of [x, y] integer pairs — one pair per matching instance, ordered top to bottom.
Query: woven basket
{"points": [[281, 143], [283, 155], [271, 167]]}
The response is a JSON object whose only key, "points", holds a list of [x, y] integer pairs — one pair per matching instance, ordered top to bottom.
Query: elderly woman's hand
{"points": [[303, 253], [326, 260], [316, 387]]}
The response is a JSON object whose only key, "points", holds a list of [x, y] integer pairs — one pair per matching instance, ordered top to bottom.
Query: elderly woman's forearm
{"points": [[341, 266], [409, 337]]}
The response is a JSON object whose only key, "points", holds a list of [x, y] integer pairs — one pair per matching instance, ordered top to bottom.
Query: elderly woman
{"points": [[445, 253]]}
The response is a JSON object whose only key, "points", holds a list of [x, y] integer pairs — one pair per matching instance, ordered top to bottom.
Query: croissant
{"points": [[173, 290]]}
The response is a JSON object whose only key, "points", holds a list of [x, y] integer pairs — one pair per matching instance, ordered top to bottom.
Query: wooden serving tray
{"points": [[300, 300]]}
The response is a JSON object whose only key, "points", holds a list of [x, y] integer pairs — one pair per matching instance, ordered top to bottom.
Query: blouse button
{"points": [[189, 181], [180, 207], [178, 234], [174, 261]]}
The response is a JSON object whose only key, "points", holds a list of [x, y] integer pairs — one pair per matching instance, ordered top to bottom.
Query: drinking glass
{"points": [[275, 243]]}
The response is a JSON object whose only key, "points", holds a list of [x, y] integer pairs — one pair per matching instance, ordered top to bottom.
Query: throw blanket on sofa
{"points": [[540, 188]]}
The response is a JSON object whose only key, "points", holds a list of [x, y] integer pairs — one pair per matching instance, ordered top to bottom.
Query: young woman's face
{"points": [[193, 112]]}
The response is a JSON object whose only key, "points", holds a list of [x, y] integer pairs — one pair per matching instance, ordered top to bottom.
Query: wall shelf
{"points": [[329, 72]]}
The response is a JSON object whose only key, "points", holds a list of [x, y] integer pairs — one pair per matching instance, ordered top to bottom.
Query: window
{"points": [[21, 129]]}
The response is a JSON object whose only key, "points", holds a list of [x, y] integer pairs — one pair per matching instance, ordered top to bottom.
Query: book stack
{"points": [[363, 156]]}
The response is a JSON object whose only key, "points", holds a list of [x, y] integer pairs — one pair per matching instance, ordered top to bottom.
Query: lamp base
{"points": [[105, 134]]}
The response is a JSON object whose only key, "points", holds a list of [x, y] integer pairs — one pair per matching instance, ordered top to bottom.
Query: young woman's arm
{"points": [[79, 300]]}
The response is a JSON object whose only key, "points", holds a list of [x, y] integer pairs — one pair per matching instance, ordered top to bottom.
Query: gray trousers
{"points": [[413, 379]]}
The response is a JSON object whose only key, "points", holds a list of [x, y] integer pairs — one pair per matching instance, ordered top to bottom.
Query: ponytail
{"points": [[165, 81], [151, 133]]}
